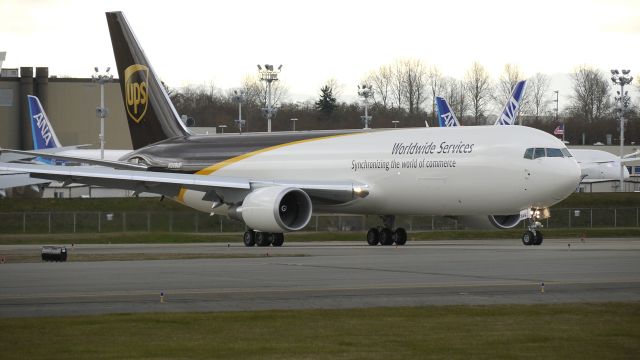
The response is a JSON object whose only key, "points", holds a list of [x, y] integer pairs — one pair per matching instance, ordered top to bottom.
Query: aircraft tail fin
{"points": [[510, 111], [150, 113], [446, 117], [43, 135]]}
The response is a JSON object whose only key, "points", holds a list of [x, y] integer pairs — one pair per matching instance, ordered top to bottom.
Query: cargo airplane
{"points": [[273, 182]]}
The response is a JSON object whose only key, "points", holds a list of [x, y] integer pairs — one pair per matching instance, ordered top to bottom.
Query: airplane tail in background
{"points": [[510, 111], [150, 113], [446, 117], [43, 135]]}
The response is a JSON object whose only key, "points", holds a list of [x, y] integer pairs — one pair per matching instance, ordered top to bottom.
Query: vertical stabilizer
{"points": [[510, 111], [150, 113], [446, 117], [43, 135]]}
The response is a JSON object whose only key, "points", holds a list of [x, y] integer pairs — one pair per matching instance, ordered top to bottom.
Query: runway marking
{"points": [[298, 290]]}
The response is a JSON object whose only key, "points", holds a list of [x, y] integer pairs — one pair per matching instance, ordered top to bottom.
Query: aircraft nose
{"points": [[567, 179]]}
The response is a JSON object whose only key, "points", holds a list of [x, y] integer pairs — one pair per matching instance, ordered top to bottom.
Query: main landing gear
{"points": [[533, 235], [386, 236], [252, 238]]}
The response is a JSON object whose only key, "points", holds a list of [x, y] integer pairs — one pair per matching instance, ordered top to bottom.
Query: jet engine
{"points": [[274, 209], [491, 221]]}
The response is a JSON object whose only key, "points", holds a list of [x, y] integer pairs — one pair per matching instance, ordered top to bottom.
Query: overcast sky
{"points": [[196, 42]]}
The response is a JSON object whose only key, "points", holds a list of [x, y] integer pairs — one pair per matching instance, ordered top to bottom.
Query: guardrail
{"points": [[104, 222]]}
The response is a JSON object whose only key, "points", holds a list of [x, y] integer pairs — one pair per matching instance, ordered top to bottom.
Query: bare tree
{"points": [[415, 75], [381, 82], [436, 85], [398, 88], [478, 88], [538, 89], [256, 91], [455, 93], [590, 99]]}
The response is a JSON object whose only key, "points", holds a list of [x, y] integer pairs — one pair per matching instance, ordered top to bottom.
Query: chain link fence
{"points": [[105, 222]]}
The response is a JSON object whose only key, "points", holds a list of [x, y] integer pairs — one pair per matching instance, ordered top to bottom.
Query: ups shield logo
{"points": [[136, 87]]}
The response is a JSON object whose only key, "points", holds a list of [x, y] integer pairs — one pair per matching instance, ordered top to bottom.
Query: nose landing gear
{"points": [[533, 235]]}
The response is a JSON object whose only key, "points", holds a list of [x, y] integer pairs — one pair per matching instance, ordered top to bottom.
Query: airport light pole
{"points": [[269, 75], [365, 92], [557, 92], [238, 97], [623, 103], [101, 111]]}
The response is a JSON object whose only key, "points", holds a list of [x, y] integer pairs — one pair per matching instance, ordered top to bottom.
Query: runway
{"points": [[323, 275]]}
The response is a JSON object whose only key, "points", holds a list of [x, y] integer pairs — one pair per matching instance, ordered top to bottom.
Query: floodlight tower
{"points": [[269, 75], [365, 92], [557, 92], [238, 97], [623, 103], [101, 112]]}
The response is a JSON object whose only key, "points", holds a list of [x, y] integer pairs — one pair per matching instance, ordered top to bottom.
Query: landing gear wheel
{"points": [[400, 236], [373, 237], [386, 237], [249, 238], [528, 238], [539, 238], [264, 239], [278, 239]]}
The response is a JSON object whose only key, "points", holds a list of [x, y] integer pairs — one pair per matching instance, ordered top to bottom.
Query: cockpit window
{"points": [[552, 152], [535, 153], [538, 153], [528, 154]]}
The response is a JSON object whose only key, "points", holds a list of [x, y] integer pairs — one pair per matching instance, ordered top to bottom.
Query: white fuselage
{"points": [[598, 165], [452, 171]]}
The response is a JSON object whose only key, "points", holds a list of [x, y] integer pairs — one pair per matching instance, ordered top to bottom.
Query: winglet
{"points": [[510, 111], [446, 117], [43, 135]]}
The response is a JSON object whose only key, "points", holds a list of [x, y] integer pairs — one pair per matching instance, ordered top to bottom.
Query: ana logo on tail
{"points": [[136, 91], [510, 111], [445, 114], [43, 135]]}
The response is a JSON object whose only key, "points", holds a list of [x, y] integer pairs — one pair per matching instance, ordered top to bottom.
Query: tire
{"points": [[400, 236], [373, 237], [386, 237], [249, 238], [528, 238], [539, 238], [264, 239], [278, 239]]}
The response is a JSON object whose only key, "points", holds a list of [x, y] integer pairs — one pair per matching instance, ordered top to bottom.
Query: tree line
{"points": [[405, 91]]}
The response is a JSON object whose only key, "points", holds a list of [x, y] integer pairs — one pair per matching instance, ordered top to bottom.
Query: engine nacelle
{"points": [[275, 209], [491, 221]]}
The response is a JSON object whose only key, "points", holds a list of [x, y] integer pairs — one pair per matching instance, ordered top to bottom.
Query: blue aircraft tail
{"points": [[510, 111], [446, 117], [43, 135]]}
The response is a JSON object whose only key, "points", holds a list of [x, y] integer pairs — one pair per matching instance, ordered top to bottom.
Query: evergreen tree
{"points": [[327, 102]]}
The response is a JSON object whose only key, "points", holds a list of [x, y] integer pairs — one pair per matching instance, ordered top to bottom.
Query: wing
{"points": [[28, 155], [13, 179], [170, 184]]}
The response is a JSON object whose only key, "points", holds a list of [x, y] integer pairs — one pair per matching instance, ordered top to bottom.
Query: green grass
{"points": [[567, 331]]}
